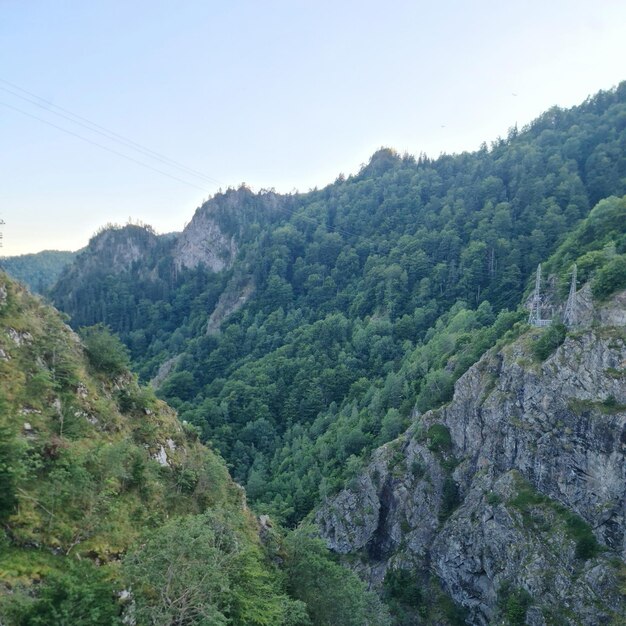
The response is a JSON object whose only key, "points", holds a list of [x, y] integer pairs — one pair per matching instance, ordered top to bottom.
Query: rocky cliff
{"points": [[211, 238], [514, 494]]}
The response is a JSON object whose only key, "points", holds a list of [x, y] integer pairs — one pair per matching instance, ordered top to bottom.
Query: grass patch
{"points": [[615, 373], [608, 406], [493, 498], [575, 527]]}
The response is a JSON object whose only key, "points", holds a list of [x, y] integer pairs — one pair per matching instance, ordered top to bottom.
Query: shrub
{"points": [[610, 278], [549, 341], [106, 353], [439, 438], [402, 586], [81, 595], [515, 603]]}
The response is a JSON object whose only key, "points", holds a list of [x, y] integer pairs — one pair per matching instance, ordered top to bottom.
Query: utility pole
{"points": [[569, 317], [534, 318]]}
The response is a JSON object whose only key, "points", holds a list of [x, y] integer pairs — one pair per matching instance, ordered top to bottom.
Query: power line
{"points": [[101, 130], [125, 141], [99, 145]]}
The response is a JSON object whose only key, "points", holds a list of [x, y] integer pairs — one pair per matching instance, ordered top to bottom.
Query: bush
{"points": [[610, 278], [549, 341], [106, 353], [439, 438], [8, 497], [449, 498], [587, 545], [213, 571], [402, 586], [333, 594], [81, 595], [515, 605]]}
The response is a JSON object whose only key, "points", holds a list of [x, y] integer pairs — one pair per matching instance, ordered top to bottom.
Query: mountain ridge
{"points": [[337, 313]]}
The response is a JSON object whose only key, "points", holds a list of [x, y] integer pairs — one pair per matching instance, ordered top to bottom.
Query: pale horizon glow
{"points": [[284, 94]]}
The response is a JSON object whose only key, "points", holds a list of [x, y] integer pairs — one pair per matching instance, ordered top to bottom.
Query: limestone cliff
{"points": [[211, 238], [513, 492]]}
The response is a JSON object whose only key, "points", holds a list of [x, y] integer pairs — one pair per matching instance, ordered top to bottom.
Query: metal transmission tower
{"points": [[1, 224], [569, 316], [534, 318]]}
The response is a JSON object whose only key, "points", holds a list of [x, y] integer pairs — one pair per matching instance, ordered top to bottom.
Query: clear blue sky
{"points": [[284, 94]]}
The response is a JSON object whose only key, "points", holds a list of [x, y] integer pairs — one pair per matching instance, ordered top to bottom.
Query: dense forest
{"points": [[38, 271], [361, 303], [112, 512]]}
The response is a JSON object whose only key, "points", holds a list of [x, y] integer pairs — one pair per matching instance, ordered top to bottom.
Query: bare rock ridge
{"points": [[212, 235], [209, 239], [203, 242], [518, 485]]}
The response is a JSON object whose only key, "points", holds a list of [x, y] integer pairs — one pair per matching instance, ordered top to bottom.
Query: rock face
{"points": [[211, 236], [203, 241], [124, 246], [236, 294], [508, 488]]}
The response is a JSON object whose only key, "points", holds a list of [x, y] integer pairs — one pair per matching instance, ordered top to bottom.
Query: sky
{"points": [[283, 94]]}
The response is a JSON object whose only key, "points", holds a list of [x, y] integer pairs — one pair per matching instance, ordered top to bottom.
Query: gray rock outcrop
{"points": [[211, 238], [517, 485]]}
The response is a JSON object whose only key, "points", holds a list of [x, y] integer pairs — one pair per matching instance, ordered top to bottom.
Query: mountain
{"points": [[38, 271], [300, 332], [512, 495], [112, 511]]}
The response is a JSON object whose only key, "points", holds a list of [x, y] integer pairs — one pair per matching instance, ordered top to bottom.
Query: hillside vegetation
{"points": [[38, 271], [342, 310], [112, 510]]}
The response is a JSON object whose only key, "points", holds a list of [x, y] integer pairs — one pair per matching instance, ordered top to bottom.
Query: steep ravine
{"points": [[517, 488]]}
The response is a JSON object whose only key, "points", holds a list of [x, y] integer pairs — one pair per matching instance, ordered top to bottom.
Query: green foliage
{"points": [[593, 242], [597, 247], [37, 271], [610, 278], [362, 300], [551, 338], [106, 353], [608, 406], [439, 438], [79, 483], [8, 497], [450, 498], [493, 498], [574, 526], [587, 545], [203, 569], [401, 585], [332, 594], [79, 595], [415, 599], [514, 605]]}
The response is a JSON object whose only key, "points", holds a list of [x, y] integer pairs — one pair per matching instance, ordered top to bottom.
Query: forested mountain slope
{"points": [[38, 271], [299, 332], [512, 495], [112, 512]]}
